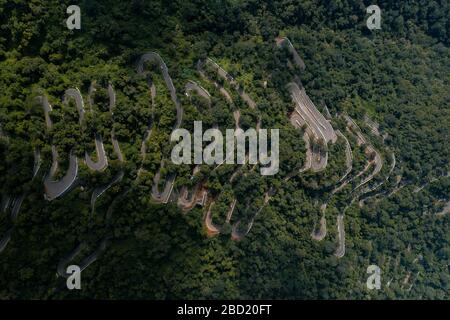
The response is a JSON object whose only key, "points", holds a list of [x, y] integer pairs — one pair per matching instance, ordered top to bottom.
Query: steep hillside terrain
{"points": [[86, 175]]}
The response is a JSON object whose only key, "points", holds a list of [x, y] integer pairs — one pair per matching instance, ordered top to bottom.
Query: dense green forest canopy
{"points": [[398, 76]]}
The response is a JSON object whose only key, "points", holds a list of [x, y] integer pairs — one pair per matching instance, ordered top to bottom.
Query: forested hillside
{"points": [[378, 194]]}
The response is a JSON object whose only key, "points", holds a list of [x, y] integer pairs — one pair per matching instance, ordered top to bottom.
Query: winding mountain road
{"points": [[285, 42], [348, 155], [55, 189], [164, 196], [340, 251], [86, 262]]}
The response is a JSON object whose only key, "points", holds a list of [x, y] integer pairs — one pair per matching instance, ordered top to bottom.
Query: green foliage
{"points": [[398, 75]]}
